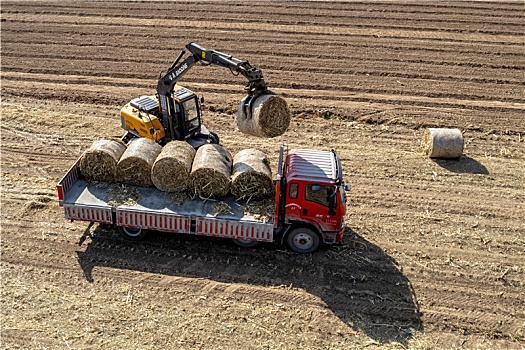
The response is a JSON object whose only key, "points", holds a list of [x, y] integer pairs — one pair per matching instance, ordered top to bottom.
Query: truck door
{"points": [[293, 201], [319, 204]]}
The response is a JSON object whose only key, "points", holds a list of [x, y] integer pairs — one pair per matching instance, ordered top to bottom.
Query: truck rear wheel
{"points": [[132, 234], [303, 240], [245, 243]]}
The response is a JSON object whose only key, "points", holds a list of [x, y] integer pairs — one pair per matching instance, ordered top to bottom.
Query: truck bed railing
{"points": [[67, 180], [88, 213], [127, 217], [202, 226], [262, 232]]}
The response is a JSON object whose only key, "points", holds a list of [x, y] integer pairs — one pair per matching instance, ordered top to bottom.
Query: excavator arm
{"points": [[236, 66], [254, 75], [256, 85]]}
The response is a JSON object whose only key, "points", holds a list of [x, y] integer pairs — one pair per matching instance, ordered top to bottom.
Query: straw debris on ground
{"points": [[270, 116], [99, 162], [134, 167], [171, 170], [211, 170], [251, 175]]}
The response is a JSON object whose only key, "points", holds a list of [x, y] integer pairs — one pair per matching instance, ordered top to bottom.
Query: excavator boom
{"points": [[254, 75], [178, 108]]}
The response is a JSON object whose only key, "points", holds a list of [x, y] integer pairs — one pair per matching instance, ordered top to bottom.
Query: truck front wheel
{"points": [[132, 234], [303, 240]]}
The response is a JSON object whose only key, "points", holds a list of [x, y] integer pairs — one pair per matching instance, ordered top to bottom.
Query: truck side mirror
{"points": [[202, 100], [348, 187]]}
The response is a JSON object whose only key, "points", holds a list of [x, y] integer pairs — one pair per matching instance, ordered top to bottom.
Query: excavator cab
{"points": [[142, 117]]}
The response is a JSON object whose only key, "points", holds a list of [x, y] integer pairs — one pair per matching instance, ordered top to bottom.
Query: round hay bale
{"points": [[270, 116], [443, 143], [99, 162], [134, 167], [171, 170], [211, 170], [251, 175]]}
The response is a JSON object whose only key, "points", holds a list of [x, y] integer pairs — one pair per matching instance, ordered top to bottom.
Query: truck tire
{"points": [[132, 234], [303, 240], [245, 243]]}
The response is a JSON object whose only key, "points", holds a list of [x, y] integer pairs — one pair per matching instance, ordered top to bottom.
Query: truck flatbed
{"points": [[150, 199], [156, 210]]}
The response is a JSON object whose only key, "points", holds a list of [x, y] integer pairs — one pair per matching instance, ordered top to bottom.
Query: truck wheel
{"points": [[132, 234], [303, 240], [245, 243]]}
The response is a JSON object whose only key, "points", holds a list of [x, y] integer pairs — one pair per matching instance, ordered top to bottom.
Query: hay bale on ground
{"points": [[270, 117], [443, 143], [99, 162], [134, 167], [171, 170], [211, 170], [251, 175]]}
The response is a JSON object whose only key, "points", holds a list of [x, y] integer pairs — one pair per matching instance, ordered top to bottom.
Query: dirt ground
{"points": [[434, 253]]}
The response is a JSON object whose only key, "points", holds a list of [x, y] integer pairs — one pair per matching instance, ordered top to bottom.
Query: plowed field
{"points": [[434, 253]]}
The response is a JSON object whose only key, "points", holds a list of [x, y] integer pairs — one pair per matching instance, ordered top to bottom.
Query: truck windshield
{"points": [[191, 114], [320, 194]]}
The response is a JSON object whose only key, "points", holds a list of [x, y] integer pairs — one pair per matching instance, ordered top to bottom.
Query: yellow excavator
{"points": [[174, 113]]}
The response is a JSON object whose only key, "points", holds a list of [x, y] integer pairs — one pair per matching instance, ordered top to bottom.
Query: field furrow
{"points": [[433, 254]]}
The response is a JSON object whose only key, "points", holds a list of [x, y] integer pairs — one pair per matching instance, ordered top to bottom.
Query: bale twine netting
{"points": [[270, 116], [443, 143], [99, 162], [134, 167], [171, 170], [211, 170], [251, 175]]}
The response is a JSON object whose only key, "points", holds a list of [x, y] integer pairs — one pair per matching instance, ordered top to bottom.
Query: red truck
{"points": [[310, 204]]}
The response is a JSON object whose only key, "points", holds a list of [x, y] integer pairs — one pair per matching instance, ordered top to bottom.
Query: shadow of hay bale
{"points": [[464, 164]]}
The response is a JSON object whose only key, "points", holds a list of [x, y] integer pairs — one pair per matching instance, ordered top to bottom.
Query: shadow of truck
{"points": [[358, 281]]}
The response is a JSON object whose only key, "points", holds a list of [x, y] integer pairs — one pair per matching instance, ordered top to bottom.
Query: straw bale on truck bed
{"points": [[270, 117], [99, 162], [134, 167], [171, 170], [211, 170], [251, 175]]}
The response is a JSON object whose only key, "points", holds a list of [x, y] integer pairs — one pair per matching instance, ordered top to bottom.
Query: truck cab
{"points": [[311, 197]]}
